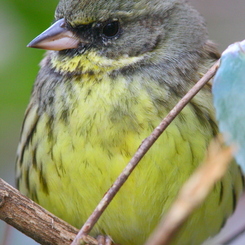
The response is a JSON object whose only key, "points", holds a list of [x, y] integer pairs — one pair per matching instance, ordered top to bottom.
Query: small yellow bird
{"points": [[115, 68]]}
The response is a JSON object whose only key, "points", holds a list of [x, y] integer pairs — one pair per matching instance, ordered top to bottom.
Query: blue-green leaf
{"points": [[229, 98]]}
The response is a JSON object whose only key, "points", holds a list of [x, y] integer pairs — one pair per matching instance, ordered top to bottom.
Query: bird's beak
{"points": [[56, 37]]}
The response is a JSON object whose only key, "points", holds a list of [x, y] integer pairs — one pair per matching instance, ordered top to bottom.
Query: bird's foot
{"points": [[100, 240], [105, 240]]}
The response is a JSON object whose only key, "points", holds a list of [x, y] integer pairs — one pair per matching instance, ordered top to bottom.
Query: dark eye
{"points": [[111, 29]]}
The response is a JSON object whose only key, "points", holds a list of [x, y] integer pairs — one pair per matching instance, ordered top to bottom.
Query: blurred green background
{"points": [[21, 21]]}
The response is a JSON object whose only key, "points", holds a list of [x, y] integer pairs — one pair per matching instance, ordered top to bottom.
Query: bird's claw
{"points": [[100, 240]]}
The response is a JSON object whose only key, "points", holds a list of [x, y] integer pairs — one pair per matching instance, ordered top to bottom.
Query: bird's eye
{"points": [[111, 29]]}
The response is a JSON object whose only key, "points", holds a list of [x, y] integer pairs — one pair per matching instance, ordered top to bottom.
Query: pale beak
{"points": [[56, 37]]}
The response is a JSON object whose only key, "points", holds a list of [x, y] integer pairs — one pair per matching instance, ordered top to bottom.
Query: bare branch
{"points": [[142, 150], [193, 193], [31, 219]]}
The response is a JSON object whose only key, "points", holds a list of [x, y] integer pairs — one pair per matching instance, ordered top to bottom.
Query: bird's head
{"points": [[112, 34]]}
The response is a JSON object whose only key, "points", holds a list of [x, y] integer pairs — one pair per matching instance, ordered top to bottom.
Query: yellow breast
{"points": [[86, 136]]}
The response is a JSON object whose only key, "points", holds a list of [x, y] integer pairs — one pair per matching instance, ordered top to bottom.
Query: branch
{"points": [[142, 150], [193, 192], [31, 219]]}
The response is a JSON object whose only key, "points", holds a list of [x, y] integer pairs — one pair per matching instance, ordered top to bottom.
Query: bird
{"points": [[112, 70], [227, 89]]}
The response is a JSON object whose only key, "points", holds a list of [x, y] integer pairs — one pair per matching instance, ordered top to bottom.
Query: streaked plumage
{"points": [[96, 100]]}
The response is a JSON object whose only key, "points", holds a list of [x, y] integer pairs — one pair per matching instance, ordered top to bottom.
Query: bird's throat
{"points": [[90, 62]]}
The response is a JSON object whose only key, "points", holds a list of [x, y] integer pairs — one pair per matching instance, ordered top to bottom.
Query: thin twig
{"points": [[142, 150], [193, 193], [234, 228], [239, 232]]}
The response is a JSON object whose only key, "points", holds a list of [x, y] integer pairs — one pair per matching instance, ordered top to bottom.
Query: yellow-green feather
{"points": [[83, 140]]}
